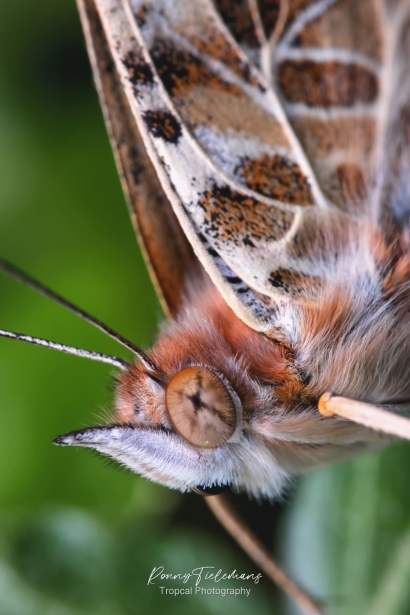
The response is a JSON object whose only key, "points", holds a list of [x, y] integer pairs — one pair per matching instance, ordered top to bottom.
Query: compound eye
{"points": [[201, 407]]}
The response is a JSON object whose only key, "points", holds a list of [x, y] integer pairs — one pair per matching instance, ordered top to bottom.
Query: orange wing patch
{"points": [[327, 84], [278, 178], [242, 220]]}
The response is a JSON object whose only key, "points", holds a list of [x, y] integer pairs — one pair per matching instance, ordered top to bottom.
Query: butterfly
{"points": [[263, 152], [274, 224], [276, 232]]}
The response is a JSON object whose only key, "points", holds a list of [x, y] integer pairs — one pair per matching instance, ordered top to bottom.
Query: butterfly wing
{"points": [[324, 57], [216, 144], [262, 151], [205, 159], [166, 249]]}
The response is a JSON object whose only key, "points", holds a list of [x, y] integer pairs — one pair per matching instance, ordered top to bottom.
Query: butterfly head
{"points": [[218, 404], [190, 423], [182, 429]]}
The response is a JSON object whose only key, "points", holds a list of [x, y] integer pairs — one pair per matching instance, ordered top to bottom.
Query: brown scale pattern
{"points": [[269, 11], [142, 14], [238, 19], [348, 24], [212, 43], [181, 71], [139, 72], [326, 84], [204, 99], [229, 113], [162, 124], [321, 137], [354, 137], [277, 177], [349, 180], [242, 220], [295, 283]]}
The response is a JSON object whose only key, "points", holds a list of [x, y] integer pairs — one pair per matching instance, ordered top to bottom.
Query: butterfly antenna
{"points": [[19, 275], [79, 352]]}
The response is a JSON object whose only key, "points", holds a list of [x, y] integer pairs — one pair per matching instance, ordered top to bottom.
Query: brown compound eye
{"points": [[201, 407]]}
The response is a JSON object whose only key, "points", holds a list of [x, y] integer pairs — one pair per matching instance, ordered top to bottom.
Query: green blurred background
{"points": [[76, 536]]}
